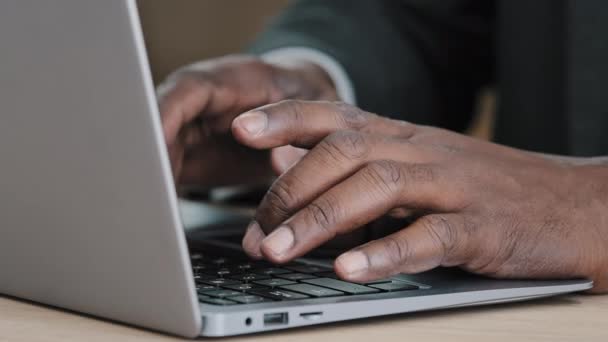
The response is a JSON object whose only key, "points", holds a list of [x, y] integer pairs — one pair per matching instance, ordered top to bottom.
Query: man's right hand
{"points": [[199, 102]]}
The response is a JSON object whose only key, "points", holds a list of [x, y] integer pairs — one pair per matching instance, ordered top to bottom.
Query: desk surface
{"points": [[569, 318]]}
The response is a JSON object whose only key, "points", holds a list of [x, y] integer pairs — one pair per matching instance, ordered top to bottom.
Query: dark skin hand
{"points": [[199, 102], [486, 208]]}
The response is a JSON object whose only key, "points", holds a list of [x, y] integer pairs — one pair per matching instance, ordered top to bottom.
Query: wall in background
{"points": [[178, 32]]}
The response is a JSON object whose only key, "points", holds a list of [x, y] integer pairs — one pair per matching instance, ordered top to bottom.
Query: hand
{"points": [[199, 102], [486, 208]]}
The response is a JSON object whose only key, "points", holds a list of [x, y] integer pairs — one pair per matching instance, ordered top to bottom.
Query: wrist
{"points": [[592, 175]]}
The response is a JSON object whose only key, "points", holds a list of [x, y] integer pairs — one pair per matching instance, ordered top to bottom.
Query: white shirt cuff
{"points": [[285, 56]]}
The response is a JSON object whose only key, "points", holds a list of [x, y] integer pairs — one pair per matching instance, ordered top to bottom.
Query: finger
{"points": [[222, 89], [217, 99], [181, 105], [304, 124], [284, 157], [336, 158], [308, 179], [355, 202], [252, 239], [431, 241]]}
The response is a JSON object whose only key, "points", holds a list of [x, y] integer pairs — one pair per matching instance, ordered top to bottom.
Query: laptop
{"points": [[89, 213]]}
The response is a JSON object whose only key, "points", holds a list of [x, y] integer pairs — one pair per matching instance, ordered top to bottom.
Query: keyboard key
{"points": [[197, 256], [219, 261], [252, 265], [245, 267], [199, 268], [308, 268], [272, 271], [220, 272], [331, 274], [295, 276], [201, 277], [246, 277], [378, 281], [220, 282], [274, 282], [340, 285], [395, 286], [243, 287], [202, 288], [312, 290], [221, 293], [278, 294], [201, 297], [249, 299], [218, 301]]}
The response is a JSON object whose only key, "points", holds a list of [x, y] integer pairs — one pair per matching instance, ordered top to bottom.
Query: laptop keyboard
{"points": [[233, 281]]}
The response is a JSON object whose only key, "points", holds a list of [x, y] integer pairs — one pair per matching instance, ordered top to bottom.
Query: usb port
{"points": [[276, 318]]}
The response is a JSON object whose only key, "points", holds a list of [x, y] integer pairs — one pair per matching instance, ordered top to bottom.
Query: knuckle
{"points": [[197, 79], [188, 84], [293, 106], [292, 110], [352, 117], [405, 130], [346, 145], [421, 173], [386, 174], [278, 200], [323, 215], [441, 231], [397, 250], [507, 250], [495, 257]]}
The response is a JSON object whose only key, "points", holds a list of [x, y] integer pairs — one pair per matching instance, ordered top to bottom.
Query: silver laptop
{"points": [[88, 209]]}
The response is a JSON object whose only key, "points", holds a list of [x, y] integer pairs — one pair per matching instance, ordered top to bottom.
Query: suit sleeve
{"points": [[417, 60]]}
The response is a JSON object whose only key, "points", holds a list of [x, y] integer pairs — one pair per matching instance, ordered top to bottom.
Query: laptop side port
{"points": [[312, 316], [276, 318]]}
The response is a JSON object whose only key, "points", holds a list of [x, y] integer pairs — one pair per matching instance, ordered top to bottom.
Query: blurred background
{"points": [[179, 32]]}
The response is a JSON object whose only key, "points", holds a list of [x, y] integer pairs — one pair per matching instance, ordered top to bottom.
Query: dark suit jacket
{"points": [[424, 61]]}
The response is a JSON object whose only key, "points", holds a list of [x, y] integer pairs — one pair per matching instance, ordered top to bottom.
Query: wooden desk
{"points": [[569, 318]]}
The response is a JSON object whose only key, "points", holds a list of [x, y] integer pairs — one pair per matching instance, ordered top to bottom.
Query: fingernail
{"points": [[253, 122], [252, 239], [280, 241], [353, 262]]}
